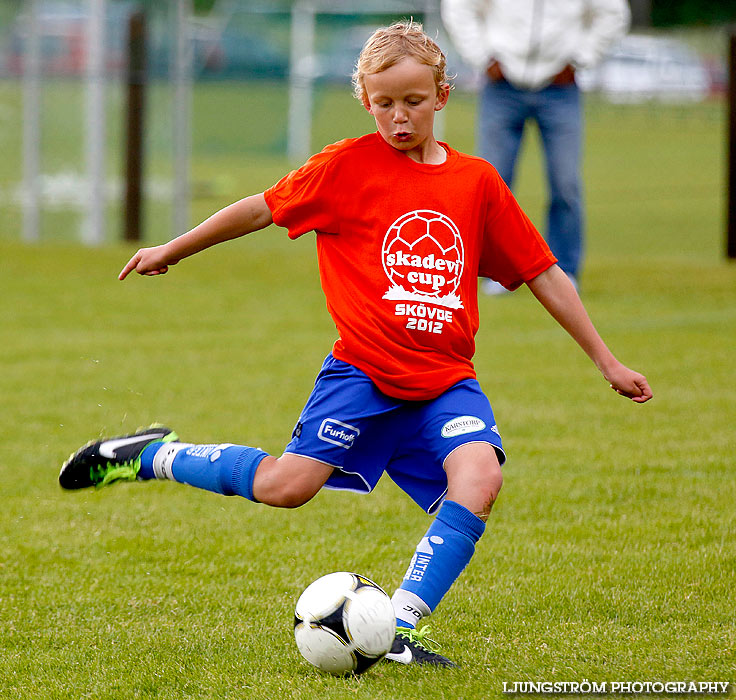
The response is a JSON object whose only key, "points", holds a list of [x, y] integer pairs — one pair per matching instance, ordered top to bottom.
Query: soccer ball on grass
{"points": [[344, 623]]}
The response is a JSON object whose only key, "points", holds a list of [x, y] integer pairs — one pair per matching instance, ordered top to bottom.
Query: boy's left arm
{"points": [[557, 294]]}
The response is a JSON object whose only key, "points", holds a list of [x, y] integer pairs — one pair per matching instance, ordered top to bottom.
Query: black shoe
{"points": [[104, 462], [414, 647]]}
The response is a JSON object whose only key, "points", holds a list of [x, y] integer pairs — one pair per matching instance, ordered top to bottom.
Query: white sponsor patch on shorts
{"points": [[461, 426]]}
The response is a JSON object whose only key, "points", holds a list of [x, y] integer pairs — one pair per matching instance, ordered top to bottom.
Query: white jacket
{"points": [[533, 40]]}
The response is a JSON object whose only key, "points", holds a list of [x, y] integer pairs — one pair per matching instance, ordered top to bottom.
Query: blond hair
{"points": [[388, 45]]}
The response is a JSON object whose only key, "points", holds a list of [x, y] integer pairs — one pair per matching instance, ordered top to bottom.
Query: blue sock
{"points": [[226, 469], [146, 471], [439, 559]]}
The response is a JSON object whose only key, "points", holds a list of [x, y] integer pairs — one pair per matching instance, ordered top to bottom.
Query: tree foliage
{"points": [[688, 12]]}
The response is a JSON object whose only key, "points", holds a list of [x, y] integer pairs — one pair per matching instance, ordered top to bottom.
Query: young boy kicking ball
{"points": [[405, 225]]}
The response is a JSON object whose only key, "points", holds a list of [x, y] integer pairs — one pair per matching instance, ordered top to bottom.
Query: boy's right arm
{"points": [[238, 219]]}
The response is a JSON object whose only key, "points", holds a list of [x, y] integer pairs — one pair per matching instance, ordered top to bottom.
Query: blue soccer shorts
{"points": [[349, 424]]}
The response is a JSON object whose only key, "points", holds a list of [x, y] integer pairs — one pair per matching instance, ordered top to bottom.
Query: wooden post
{"points": [[135, 120], [731, 225]]}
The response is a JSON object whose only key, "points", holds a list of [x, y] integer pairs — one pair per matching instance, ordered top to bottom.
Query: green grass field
{"points": [[610, 555]]}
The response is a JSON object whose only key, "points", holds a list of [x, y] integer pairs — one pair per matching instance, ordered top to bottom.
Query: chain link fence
{"points": [[243, 116]]}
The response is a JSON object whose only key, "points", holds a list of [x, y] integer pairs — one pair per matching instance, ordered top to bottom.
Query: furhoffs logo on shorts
{"points": [[338, 433]]}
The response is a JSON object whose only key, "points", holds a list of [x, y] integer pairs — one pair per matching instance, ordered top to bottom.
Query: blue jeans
{"points": [[557, 111]]}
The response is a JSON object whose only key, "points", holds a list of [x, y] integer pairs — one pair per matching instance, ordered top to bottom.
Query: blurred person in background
{"points": [[528, 52]]}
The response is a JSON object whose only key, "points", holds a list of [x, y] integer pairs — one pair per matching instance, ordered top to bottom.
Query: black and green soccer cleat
{"points": [[104, 462], [414, 647]]}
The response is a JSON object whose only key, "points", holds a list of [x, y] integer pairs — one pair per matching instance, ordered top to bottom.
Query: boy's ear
{"points": [[443, 94], [366, 103]]}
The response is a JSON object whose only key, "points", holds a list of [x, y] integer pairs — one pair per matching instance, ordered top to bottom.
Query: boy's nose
{"points": [[399, 116]]}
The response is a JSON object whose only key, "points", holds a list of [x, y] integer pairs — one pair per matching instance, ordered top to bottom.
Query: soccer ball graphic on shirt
{"points": [[423, 258], [344, 623]]}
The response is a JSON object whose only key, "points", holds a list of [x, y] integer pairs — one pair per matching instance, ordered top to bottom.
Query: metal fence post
{"points": [[301, 69], [182, 115], [32, 126], [94, 225]]}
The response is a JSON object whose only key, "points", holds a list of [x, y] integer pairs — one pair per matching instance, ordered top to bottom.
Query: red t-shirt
{"points": [[400, 247]]}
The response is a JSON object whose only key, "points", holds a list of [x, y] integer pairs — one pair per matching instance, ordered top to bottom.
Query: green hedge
{"points": [[688, 12]]}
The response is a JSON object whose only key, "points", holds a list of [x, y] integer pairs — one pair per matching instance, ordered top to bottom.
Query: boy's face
{"points": [[403, 100]]}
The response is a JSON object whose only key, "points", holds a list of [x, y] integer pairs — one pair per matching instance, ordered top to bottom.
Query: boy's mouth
{"points": [[402, 135]]}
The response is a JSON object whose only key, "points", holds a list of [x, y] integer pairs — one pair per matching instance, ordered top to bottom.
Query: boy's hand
{"points": [[148, 261], [628, 383]]}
